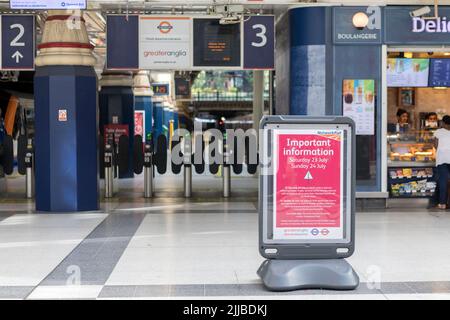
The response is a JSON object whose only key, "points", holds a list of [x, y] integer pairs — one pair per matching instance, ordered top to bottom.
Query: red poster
{"points": [[139, 124], [115, 130], [308, 184]]}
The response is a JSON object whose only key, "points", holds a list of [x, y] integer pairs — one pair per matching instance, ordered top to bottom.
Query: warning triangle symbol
{"points": [[308, 176]]}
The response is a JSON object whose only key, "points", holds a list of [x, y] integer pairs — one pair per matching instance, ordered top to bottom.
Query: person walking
{"points": [[442, 145]]}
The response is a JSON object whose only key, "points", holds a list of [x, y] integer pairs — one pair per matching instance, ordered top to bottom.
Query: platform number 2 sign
{"points": [[17, 42], [259, 42]]}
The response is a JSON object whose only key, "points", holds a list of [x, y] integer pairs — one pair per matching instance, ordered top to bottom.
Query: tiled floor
{"points": [[205, 247]]}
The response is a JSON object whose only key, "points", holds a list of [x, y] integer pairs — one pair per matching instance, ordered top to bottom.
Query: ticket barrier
{"points": [[109, 170], [148, 170]]}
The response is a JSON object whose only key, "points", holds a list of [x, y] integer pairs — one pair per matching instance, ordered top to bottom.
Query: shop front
{"points": [[390, 72]]}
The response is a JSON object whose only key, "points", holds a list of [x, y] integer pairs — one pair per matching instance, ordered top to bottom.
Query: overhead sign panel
{"points": [[47, 4], [17, 42], [122, 42], [164, 42], [259, 42], [189, 43], [216, 45]]}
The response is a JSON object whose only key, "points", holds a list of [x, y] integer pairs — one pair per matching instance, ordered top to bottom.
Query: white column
{"points": [[258, 97]]}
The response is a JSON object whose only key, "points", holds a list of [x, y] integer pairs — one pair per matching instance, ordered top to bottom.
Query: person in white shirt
{"points": [[442, 144]]}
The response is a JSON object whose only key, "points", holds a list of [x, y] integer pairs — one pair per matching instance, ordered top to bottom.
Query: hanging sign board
{"points": [[47, 4], [17, 42], [164, 42], [180, 42], [259, 42], [216, 45], [160, 89], [307, 187]]}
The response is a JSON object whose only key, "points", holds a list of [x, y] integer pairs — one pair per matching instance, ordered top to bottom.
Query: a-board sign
{"points": [[47, 4], [17, 42], [181, 42], [307, 187]]}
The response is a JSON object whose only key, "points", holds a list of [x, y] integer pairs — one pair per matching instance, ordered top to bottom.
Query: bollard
{"points": [[148, 172], [29, 173], [226, 178], [187, 180]]}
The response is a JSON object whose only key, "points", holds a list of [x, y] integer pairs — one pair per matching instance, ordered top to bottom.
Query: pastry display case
{"points": [[411, 163]]}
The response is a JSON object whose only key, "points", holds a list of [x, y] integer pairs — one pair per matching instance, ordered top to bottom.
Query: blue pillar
{"points": [[308, 61], [117, 107], [158, 117], [66, 138]]}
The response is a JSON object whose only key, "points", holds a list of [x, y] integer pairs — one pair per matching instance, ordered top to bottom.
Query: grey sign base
{"points": [[288, 275]]}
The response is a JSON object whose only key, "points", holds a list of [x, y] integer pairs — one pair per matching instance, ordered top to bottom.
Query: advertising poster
{"points": [[164, 42], [215, 44], [407, 72], [359, 104], [139, 124], [115, 131], [308, 185]]}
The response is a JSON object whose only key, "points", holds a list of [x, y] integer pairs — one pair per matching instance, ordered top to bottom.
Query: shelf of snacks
{"points": [[410, 173], [412, 182]]}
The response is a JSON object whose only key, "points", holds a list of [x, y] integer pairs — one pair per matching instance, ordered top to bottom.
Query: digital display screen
{"points": [[47, 4], [216, 45], [407, 72], [440, 73]]}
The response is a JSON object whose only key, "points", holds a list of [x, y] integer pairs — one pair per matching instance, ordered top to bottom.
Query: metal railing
{"points": [[226, 96]]}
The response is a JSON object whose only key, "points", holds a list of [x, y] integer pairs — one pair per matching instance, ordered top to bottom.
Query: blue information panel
{"points": [[47, 4], [18, 42], [122, 42], [259, 42], [440, 73]]}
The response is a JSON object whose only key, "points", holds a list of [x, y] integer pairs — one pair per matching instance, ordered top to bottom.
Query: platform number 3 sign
{"points": [[259, 42]]}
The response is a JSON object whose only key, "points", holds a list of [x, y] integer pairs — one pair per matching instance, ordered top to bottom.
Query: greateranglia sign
{"points": [[439, 25]]}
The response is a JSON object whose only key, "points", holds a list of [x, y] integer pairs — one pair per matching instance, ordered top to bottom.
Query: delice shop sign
{"points": [[401, 28], [346, 33], [308, 184]]}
